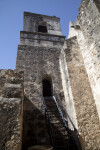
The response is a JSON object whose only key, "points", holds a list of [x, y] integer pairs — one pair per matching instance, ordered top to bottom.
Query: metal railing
{"points": [[67, 115], [73, 137]]}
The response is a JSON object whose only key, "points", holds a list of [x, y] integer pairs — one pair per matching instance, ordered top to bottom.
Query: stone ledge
{"points": [[40, 15], [42, 34], [25, 47], [9, 85], [3, 99]]}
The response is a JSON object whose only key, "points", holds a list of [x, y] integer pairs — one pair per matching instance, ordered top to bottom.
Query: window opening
{"points": [[42, 28]]}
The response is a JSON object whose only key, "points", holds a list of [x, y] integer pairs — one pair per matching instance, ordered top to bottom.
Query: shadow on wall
{"points": [[97, 3], [34, 127], [35, 131]]}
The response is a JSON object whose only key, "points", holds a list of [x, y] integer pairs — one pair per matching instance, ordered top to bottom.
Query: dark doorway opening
{"points": [[42, 29], [47, 88]]}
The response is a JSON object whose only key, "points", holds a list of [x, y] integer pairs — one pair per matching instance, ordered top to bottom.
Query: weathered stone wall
{"points": [[88, 35], [41, 39], [37, 62], [68, 101], [11, 109], [86, 112]]}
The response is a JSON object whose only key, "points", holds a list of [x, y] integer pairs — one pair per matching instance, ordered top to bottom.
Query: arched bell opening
{"points": [[42, 27], [47, 87]]}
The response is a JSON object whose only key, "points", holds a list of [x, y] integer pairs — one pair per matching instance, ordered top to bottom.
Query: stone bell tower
{"points": [[38, 54]]}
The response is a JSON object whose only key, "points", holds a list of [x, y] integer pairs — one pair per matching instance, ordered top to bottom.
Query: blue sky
{"points": [[11, 22]]}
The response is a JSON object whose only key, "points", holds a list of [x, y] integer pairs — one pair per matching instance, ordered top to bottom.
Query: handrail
{"points": [[61, 113], [68, 117], [75, 141]]}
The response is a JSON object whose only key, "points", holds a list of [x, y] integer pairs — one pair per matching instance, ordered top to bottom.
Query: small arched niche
{"points": [[42, 27], [47, 88]]}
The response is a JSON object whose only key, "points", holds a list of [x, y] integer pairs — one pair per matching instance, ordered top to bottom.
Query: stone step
{"points": [[51, 106], [53, 110], [56, 120], [62, 137], [41, 147], [62, 147]]}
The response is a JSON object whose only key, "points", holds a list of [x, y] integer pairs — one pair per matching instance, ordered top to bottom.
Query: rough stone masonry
{"points": [[73, 68], [11, 109]]}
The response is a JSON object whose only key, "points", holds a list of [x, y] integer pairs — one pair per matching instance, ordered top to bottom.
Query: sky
{"points": [[11, 22]]}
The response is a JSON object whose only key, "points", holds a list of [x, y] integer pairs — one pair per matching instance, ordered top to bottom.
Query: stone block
{"points": [[12, 90], [10, 123]]}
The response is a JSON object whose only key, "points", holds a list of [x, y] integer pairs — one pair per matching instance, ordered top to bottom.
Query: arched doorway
{"points": [[47, 87]]}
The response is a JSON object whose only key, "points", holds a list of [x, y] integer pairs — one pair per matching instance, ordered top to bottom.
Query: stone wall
{"points": [[86, 28], [40, 39], [37, 62], [68, 102], [11, 109], [86, 112]]}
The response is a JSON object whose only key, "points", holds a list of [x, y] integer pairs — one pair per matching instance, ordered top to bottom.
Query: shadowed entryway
{"points": [[47, 87]]}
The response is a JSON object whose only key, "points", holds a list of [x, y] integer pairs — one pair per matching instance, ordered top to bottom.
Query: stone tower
{"points": [[38, 56], [55, 67], [62, 75]]}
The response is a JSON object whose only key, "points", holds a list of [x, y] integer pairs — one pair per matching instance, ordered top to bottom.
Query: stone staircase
{"points": [[60, 135]]}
